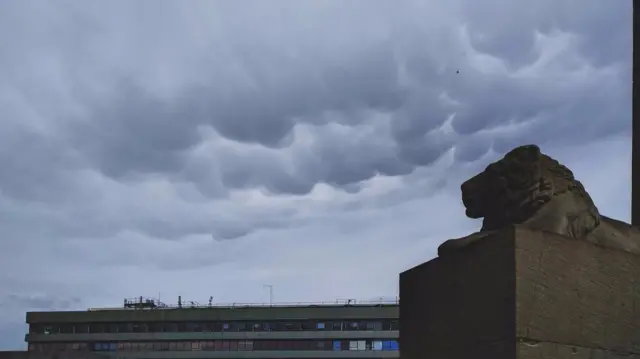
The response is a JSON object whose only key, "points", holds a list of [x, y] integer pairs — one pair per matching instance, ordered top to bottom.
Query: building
{"points": [[146, 328]]}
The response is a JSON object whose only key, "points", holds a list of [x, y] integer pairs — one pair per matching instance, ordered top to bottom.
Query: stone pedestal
{"points": [[522, 294]]}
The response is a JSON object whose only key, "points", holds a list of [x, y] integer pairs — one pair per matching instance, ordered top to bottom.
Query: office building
{"points": [[147, 328]]}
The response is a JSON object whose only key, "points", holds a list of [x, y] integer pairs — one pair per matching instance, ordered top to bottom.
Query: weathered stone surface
{"points": [[533, 190], [574, 292], [520, 293], [545, 350]]}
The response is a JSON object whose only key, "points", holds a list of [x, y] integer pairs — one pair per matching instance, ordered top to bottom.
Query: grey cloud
{"points": [[257, 88], [267, 88], [34, 302]]}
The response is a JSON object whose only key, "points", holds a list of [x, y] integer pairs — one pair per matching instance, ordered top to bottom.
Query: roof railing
{"points": [[149, 304]]}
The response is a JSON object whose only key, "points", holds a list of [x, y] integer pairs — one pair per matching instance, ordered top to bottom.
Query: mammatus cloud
{"points": [[318, 147]]}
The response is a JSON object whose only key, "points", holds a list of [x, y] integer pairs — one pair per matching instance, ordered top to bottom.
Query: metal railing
{"points": [[193, 305]]}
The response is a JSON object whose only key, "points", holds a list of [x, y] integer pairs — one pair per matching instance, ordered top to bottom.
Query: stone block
{"points": [[520, 293]]}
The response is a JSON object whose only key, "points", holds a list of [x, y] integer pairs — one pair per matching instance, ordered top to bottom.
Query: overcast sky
{"points": [[208, 148]]}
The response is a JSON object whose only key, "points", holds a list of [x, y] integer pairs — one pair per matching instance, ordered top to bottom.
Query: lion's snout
{"points": [[471, 199]]}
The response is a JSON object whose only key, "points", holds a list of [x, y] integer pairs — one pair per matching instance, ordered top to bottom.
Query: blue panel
{"points": [[336, 345], [386, 345], [395, 345], [112, 346]]}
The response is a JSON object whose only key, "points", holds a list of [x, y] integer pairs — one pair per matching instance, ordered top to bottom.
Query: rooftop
{"points": [[142, 303]]}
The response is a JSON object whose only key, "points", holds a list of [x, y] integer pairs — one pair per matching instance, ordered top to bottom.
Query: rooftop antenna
{"points": [[270, 286], [179, 301], [210, 301]]}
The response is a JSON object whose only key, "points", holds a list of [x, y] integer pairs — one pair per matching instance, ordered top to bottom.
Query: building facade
{"points": [[148, 329]]}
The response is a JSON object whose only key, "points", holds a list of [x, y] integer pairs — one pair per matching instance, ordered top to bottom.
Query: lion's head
{"points": [[510, 190]]}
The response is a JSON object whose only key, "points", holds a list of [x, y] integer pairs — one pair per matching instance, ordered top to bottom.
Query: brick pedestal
{"points": [[522, 294]]}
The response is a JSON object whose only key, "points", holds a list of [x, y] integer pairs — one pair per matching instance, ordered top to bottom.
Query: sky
{"points": [[207, 148]]}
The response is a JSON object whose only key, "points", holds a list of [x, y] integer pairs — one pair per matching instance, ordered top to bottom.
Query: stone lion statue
{"points": [[534, 191]]}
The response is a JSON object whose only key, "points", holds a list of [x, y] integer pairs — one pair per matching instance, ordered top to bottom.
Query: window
{"points": [[308, 325], [374, 325], [395, 325], [289, 326], [320, 326], [337, 326], [353, 326], [139, 327], [154, 327], [170, 327], [181, 327], [195, 327], [225, 327], [239, 327], [81, 328], [96, 328], [110, 328], [124, 328], [66, 329], [344, 344], [233, 345], [245, 345], [297, 345], [376, 345], [390, 345]]}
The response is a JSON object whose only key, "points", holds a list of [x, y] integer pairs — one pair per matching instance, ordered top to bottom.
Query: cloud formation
{"points": [[314, 146]]}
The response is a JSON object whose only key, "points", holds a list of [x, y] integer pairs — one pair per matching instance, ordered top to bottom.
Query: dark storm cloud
{"points": [[256, 89], [207, 105]]}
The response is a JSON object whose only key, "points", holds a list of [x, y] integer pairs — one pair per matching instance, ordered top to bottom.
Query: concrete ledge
{"points": [[516, 287], [387, 311], [106, 337], [280, 354], [66, 355]]}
